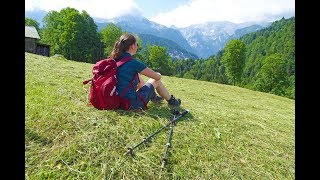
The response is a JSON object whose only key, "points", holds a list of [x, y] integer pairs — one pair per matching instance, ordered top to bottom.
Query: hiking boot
{"points": [[156, 99], [174, 102]]}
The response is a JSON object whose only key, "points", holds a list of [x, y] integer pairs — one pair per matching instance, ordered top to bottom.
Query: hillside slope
{"points": [[230, 133]]}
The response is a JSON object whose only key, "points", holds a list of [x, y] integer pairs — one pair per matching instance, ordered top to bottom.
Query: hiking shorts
{"points": [[146, 92]]}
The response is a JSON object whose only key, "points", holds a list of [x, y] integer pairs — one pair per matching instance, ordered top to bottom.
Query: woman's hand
{"points": [[141, 82]]}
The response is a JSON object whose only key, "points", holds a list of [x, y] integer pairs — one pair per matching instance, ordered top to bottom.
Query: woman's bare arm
{"points": [[151, 74]]}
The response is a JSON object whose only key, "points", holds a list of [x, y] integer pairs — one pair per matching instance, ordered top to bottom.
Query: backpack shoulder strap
{"points": [[123, 60], [130, 85]]}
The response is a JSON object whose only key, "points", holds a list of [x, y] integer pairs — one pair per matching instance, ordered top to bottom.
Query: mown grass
{"points": [[230, 133]]}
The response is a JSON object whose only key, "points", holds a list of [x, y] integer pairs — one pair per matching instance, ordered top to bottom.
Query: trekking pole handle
{"points": [[185, 112], [175, 117]]}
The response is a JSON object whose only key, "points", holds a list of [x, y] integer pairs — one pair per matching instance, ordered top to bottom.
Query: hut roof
{"points": [[31, 32]]}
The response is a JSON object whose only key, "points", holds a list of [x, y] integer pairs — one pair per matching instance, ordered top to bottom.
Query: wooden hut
{"points": [[32, 44], [43, 49]]}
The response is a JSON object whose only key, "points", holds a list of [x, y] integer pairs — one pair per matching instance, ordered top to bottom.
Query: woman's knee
{"points": [[155, 83]]}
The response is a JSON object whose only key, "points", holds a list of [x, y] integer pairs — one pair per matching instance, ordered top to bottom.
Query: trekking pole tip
{"points": [[129, 151], [164, 160], [162, 165]]}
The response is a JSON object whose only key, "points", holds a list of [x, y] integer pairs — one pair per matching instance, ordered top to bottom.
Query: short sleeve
{"points": [[138, 66]]}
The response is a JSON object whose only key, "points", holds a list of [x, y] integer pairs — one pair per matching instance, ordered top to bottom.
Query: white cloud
{"points": [[96, 8], [237, 11], [194, 12]]}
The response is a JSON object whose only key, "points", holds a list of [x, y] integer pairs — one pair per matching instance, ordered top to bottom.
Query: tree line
{"points": [[262, 60]]}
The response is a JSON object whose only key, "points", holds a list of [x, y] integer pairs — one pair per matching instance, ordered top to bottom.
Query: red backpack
{"points": [[103, 94]]}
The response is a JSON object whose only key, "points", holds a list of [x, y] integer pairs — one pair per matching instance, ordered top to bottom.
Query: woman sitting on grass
{"points": [[140, 93]]}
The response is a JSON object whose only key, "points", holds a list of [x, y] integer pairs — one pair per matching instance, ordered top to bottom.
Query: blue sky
{"points": [[153, 7], [180, 13]]}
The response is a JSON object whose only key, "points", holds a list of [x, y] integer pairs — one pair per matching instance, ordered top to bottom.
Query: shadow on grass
{"points": [[157, 112], [34, 136]]}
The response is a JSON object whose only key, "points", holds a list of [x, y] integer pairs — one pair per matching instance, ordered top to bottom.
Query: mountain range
{"points": [[200, 40], [195, 41]]}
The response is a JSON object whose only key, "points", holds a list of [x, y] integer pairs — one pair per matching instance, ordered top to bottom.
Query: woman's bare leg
{"points": [[160, 88]]}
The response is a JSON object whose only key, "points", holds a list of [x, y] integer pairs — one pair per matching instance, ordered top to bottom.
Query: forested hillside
{"points": [[173, 49], [270, 58], [269, 62]]}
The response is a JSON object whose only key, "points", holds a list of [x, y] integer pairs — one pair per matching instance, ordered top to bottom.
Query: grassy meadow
{"points": [[230, 132]]}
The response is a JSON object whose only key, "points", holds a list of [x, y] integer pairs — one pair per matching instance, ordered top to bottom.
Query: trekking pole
{"points": [[176, 115], [175, 118], [130, 150], [164, 159]]}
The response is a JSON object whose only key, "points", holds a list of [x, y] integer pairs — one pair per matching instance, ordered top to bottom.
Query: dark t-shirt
{"points": [[125, 73]]}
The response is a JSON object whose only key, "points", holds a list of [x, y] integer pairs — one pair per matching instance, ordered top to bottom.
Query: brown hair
{"points": [[122, 45]]}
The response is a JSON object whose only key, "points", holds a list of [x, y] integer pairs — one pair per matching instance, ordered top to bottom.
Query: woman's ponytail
{"points": [[122, 45]]}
